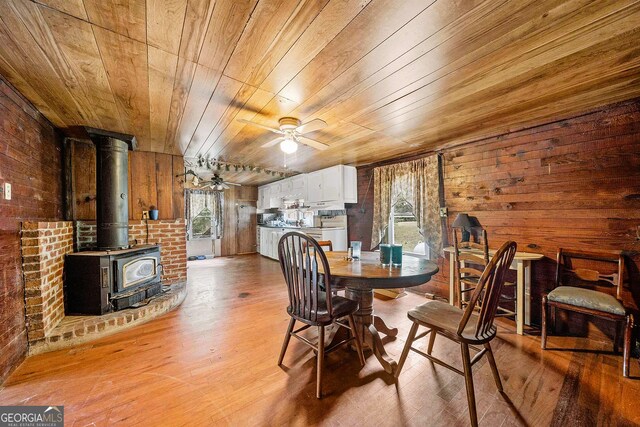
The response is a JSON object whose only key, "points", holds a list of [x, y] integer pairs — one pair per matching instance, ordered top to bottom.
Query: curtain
{"points": [[417, 182], [197, 200], [217, 208]]}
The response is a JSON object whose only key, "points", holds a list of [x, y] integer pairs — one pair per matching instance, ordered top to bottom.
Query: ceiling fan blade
{"points": [[260, 126], [311, 126], [272, 142], [312, 143], [233, 183]]}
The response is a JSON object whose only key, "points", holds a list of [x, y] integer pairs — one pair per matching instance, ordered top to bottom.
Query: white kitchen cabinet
{"points": [[337, 184], [350, 184], [314, 186], [285, 187], [298, 187], [327, 187], [270, 237]]}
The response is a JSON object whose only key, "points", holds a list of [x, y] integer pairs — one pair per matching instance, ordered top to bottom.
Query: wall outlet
{"points": [[7, 191], [443, 212], [145, 214]]}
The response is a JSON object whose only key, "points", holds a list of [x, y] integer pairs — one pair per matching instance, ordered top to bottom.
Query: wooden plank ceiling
{"points": [[390, 78]]}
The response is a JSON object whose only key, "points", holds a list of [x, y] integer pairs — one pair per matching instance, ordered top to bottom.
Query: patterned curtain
{"points": [[417, 182], [196, 200], [426, 203], [217, 208]]}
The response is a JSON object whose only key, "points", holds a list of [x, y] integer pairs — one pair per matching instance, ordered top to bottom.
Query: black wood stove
{"points": [[114, 275]]}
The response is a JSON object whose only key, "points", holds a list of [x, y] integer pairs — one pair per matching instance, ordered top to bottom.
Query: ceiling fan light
{"points": [[289, 146], [195, 181]]}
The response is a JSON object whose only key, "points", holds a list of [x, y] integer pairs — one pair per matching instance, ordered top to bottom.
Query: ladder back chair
{"points": [[471, 258], [468, 265], [305, 267], [575, 291], [465, 327]]}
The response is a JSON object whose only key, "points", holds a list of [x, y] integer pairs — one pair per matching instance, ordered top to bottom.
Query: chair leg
{"points": [[354, 332], [543, 334], [287, 337], [432, 340], [627, 345], [407, 347], [320, 367], [494, 367], [468, 378]]}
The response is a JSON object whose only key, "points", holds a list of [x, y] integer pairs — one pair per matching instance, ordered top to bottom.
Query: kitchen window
{"points": [[403, 229]]}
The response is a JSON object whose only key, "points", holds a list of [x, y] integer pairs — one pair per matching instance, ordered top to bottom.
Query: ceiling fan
{"points": [[292, 131], [217, 183]]}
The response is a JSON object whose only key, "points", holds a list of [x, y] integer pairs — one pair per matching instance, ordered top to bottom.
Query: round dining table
{"points": [[361, 277]]}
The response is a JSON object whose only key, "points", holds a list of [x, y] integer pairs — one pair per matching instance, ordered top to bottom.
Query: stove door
{"points": [[136, 270]]}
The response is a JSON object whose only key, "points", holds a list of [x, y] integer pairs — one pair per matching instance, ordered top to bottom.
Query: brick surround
{"points": [[170, 234], [44, 245]]}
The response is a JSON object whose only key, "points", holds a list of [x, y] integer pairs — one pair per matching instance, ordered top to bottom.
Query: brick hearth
{"points": [[44, 246]]}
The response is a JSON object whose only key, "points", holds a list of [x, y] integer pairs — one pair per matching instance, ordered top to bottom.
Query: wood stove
{"points": [[115, 275], [97, 282]]}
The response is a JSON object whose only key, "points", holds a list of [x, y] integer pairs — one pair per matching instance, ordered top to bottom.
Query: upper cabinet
{"points": [[337, 184], [333, 186], [299, 189]]}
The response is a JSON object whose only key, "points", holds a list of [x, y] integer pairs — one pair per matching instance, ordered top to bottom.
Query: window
{"points": [[205, 214], [201, 224], [403, 229]]}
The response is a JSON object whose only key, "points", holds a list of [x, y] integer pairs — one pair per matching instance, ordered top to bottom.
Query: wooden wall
{"points": [[31, 161], [152, 181], [572, 183], [235, 231]]}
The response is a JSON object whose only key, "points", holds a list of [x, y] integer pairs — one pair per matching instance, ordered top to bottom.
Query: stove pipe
{"points": [[112, 179]]}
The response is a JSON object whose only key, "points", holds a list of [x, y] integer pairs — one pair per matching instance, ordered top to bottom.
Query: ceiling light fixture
{"points": [[288, 145]]}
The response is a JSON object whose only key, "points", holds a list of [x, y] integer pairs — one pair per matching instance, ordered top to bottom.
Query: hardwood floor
{"points": [[213, 362]]}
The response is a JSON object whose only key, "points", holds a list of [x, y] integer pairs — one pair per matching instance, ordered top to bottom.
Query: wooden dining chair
{"points": [[326, 245], [470, 259], [468, 265], [304, 266], [575, 290], [465, 327]]}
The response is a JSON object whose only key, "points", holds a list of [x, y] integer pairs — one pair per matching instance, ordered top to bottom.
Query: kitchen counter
{"points": [[302, 228], [270, 236]]}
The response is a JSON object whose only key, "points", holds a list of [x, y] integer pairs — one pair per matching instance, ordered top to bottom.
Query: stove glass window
{"points": [[139, 270]]}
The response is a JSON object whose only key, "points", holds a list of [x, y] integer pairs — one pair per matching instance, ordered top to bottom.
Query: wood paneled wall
{"points": [[31, 161], [152, 181], [571, 183], [234, 231]]}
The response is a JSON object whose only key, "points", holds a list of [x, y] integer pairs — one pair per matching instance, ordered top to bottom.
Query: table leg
{"points": [[452, 281], [527, 292], [520, 298], [367, 323], [379, 324]]}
